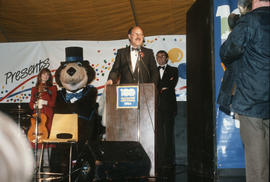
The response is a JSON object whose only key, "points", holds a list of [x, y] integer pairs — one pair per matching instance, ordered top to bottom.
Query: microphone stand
{"points": [[139, 97], [19, 115], [36, 139], [36, 145]]}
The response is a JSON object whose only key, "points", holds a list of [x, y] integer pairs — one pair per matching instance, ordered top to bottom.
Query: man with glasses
{"points": [[134, 64], [167, 110]]}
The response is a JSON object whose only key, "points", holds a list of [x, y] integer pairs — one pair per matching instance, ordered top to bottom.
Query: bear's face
{"points": [[75, 75]]}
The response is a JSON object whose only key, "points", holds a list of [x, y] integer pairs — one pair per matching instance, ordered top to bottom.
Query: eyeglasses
{"points": [[137, 34], [163, 56]]}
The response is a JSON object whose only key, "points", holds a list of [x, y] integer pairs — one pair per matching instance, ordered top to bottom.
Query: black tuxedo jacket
{"points": [[122, 67], [167, 99]]}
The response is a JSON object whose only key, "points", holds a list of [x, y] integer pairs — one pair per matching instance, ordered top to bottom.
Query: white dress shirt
{"points": [[134, 57], [161, 71]]}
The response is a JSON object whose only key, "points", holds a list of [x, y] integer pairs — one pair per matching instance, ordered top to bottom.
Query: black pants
{"points": [[165, 140]]}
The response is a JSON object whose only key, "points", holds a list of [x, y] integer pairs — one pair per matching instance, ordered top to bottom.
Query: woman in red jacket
{"points": [[42, 100]]}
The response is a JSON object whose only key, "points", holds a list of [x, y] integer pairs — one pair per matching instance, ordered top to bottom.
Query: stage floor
{"points": [[179, 174]]}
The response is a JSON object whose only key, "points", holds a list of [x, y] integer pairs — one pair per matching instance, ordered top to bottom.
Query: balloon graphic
{"points": [[175, 55]]}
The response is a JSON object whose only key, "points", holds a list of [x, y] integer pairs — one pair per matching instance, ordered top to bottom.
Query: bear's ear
{"points": [[86, 62], [63, 64], [91, 74], [57, 75]]}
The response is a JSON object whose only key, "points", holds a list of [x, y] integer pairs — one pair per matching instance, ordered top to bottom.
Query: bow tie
{"points": [[135, 49], [161, 67], [73, 95]]}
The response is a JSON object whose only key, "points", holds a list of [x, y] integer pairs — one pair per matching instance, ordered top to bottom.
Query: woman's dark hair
{"points": [[49, 82]]}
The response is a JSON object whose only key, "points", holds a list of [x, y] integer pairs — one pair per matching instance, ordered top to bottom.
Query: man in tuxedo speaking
{"points": [[135, 63]]}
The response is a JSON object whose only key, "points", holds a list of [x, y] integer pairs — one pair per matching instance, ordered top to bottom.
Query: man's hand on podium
{"points": [[109, 82]]}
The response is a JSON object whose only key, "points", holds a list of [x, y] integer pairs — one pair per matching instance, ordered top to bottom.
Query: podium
{"points": [[133, 124]]}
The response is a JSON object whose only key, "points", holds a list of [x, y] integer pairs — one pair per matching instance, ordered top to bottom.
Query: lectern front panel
{"points": [[133, 124]]}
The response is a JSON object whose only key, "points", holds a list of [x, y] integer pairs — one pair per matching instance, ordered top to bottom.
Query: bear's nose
{"points": [[71, 71]]}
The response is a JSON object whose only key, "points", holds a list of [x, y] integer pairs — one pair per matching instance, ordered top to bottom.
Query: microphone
{"points": [[139, 53], [140, 56]]}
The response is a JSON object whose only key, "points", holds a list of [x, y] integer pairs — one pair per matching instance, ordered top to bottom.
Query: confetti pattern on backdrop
{"points": [[101, 53]]}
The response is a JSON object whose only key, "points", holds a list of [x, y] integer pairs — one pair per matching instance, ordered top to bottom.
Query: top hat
{"points": [[74, 54]]}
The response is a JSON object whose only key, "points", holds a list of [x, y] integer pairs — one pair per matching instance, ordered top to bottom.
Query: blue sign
{"points": [[127, 96]]}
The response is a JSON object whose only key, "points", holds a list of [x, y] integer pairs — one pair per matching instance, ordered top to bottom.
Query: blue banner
{"points": [[230, 152]]}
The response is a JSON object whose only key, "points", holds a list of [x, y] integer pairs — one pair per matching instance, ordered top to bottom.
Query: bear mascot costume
{"points": [[76, 96]]}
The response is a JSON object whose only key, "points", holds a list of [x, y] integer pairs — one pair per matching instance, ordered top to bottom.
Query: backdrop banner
{"points": [[21, 62], [230, 152]]}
